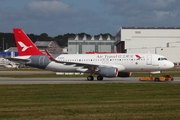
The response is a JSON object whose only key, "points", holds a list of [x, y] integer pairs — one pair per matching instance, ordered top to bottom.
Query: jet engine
{"points": [[108, 71], [124, 74]]}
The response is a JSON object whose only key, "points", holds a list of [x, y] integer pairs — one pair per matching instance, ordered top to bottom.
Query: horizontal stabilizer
{"points": [[19, 60]]}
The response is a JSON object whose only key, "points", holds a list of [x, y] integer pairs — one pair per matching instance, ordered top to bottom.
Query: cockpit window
{"points": [[160, 59]]}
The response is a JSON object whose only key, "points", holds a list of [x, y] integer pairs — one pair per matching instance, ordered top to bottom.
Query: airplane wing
{"points": [[69, 63], [83, 65]]}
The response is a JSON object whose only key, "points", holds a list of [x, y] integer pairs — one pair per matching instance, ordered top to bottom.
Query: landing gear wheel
{"points": [[90, 78], [99, 78]]}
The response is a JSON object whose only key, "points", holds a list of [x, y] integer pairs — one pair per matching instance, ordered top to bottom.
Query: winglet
{"points": [[24, 44], [49, 55]]}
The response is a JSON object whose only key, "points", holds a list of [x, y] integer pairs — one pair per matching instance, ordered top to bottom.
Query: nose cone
{"points": [[170, 64]]}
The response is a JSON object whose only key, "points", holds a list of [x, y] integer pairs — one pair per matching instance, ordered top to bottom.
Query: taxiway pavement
{"points": [[6, 80], [76, 80]]}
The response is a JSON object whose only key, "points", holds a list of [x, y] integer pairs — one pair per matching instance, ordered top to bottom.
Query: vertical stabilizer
{"points": [[24, 44]]}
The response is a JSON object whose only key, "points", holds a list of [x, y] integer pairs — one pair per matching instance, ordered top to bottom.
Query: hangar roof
{"points": [[150, 27], [43, 43]]}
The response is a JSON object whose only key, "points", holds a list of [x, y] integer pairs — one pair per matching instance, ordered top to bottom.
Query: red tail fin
{"points": [[24, 44]]}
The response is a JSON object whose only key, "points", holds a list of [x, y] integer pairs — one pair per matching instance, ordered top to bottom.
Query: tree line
{"points": [[62, 40]]}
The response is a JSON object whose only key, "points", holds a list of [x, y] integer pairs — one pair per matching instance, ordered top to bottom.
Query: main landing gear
{"points": [[93, 70], [91, 78]]}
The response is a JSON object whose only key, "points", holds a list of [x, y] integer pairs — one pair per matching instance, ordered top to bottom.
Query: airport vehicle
{"points": [[104, 65], [165, 77]]}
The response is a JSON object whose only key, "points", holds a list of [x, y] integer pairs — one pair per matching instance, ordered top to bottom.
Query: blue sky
{"points": [[57, 17]]}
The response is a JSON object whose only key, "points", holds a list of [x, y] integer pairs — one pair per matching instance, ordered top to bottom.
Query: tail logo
{"points": [[23, 46]]}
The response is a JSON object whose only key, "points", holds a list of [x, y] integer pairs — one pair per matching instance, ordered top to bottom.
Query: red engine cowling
{"points": [[124, 74]]}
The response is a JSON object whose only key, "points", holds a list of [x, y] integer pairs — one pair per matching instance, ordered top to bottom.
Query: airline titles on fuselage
{"points": [[114, 56], [126, 56]]}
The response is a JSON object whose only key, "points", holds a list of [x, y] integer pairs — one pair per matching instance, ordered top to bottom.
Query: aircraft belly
{"points": [[141, 68]]}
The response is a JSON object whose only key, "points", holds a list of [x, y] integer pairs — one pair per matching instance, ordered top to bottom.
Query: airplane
{"points": [[7, 64], [104, 65]]}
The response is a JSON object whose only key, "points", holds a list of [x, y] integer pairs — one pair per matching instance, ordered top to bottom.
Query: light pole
{"points": [[3, 44]]}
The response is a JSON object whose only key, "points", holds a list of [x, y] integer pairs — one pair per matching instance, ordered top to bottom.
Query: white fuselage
{"points": [[124, 62]]}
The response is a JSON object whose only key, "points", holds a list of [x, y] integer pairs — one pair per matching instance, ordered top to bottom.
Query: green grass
{"points": [[148, 101]]}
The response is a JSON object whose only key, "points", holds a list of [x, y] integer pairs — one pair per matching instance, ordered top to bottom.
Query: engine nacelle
{"points": [[108, 71], [124, 74]]}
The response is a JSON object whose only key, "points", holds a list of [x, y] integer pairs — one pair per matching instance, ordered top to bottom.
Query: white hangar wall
{"points": [[149, 37], [159, 40], [173, 44], [141, 50], [172, 53]]}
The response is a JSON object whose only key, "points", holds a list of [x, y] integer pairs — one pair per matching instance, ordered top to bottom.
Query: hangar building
{"points": [[160, 40], [83, 45]]}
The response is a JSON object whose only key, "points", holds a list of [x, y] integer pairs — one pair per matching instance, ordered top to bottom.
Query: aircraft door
{"points": [[41, 60], [149, 60]]}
